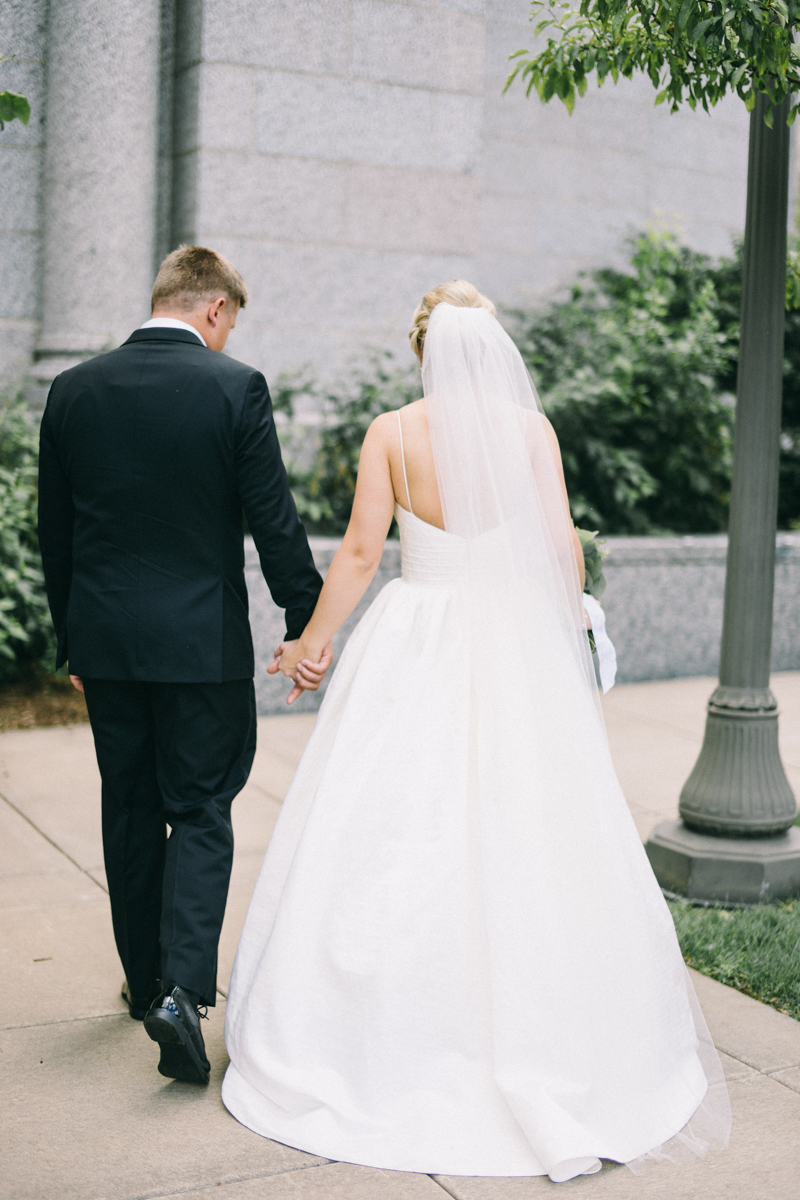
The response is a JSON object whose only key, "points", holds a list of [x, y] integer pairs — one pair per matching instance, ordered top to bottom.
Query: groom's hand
{"points": [[306, 673], [76, 682]]}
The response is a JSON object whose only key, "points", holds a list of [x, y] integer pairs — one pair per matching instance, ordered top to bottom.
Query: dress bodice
{"points": [[429, 555]]}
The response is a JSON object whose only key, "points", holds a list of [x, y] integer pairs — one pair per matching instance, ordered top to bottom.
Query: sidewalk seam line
{"points": [[264, 792], [83, 870], [64, 1021], [770, 1074], [203, 1187], [446, 1190]]}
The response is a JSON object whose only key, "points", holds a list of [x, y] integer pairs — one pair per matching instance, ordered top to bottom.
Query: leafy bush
{"points": [[728, 282], [630, 365], [637, 371], [322, 458], [789, 478], [26, 632]]}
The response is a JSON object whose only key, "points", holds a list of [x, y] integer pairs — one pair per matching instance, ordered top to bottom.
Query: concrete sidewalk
{"points": [[85, 1114]]}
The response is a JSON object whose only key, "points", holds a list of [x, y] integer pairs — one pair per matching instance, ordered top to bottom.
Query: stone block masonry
{"points": [[346, 154]]}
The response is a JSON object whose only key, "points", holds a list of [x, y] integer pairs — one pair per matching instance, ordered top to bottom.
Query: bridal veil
{"points": [[502, 492]]}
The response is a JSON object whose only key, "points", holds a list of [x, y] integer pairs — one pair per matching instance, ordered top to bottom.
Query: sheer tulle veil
{"points": [[500, 487], [540, 771]]}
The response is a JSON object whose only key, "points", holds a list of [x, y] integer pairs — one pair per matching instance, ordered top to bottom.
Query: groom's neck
{"points": [[197, 321], [213, 321]]}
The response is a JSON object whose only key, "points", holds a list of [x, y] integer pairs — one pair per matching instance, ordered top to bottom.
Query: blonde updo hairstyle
{"points": [[458, 292]]}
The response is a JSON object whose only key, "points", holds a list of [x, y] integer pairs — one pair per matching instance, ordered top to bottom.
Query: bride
{"points": [[457, 960]]}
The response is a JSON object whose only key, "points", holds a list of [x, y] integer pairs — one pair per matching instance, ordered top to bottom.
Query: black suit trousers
{"points": [[170, 754]]}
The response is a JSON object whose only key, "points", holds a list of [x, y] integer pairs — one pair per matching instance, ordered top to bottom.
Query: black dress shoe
{"points": [[138, 1005], [174, 1022]]}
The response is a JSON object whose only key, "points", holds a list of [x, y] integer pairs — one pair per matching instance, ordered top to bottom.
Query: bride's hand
{"points": [[306, 672]]}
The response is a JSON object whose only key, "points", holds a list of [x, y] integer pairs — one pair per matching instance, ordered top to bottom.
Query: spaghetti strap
{"points": [[403, 459]]}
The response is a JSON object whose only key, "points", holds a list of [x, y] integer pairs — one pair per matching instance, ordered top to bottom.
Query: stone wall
{"points": [[24, 25], [347, 154], [370, 154], [663, 604]]}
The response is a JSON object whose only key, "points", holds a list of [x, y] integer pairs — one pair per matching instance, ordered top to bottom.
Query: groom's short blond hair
{"points": [[191, 275]]}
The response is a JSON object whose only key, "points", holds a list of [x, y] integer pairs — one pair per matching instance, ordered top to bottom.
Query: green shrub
{"points": [[727, 276], [629, 366], [637, 370], [322, 459], [26, 632]]}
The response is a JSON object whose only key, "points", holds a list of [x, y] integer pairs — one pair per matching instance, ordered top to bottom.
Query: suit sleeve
{"points": [[56, 523], [286, 560]]}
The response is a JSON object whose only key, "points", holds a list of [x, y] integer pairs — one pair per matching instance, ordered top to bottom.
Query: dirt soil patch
{"points": [[44, 700]]}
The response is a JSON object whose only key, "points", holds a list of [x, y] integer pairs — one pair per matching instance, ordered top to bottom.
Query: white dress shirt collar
{"points": [[172, 323]]}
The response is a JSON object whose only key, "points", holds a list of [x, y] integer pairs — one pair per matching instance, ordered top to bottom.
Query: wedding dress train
{"points": [[425, 986]]}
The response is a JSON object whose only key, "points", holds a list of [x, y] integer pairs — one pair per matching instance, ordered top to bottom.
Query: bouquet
{"points": [[594, 552]]}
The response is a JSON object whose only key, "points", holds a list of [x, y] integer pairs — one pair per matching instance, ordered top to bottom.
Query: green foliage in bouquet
{"points": [[633, 367], [322, 458], [594, 551], [26, 632]]}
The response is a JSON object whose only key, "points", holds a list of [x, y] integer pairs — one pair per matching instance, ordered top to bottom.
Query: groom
{"points": [[149, 457]]}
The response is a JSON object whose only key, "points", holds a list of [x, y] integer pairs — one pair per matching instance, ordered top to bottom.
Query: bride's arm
{"points": [[555, 450], [359, 555]]}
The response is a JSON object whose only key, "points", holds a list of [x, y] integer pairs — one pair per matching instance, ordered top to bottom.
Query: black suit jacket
{"points": [[149, 455]]}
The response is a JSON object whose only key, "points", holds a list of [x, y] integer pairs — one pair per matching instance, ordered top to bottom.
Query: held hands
{"points": [[292, 658]]}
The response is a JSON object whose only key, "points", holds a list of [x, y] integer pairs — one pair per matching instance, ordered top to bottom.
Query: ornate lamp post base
{"points": [[738, 787], [737, 842], [719, 870]]}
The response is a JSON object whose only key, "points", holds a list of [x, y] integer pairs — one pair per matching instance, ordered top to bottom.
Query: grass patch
{"points": [[38, 700], [755, 950]]}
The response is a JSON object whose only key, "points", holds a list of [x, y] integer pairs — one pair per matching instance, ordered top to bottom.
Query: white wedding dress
{"points": [[457, 959]]}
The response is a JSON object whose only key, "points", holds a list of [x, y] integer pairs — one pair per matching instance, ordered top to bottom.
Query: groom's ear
{"points": [[218, 306]]}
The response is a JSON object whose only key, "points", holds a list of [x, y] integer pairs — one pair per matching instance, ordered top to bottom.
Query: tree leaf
{"points": [[700, 29], [692, 51], [13, 107]]}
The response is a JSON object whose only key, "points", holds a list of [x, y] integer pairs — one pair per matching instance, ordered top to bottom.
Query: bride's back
{"points": [[424, 499]]}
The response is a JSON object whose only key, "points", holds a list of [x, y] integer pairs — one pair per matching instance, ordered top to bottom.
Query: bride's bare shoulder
{"points": [[415, 410], [386, 424]]}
